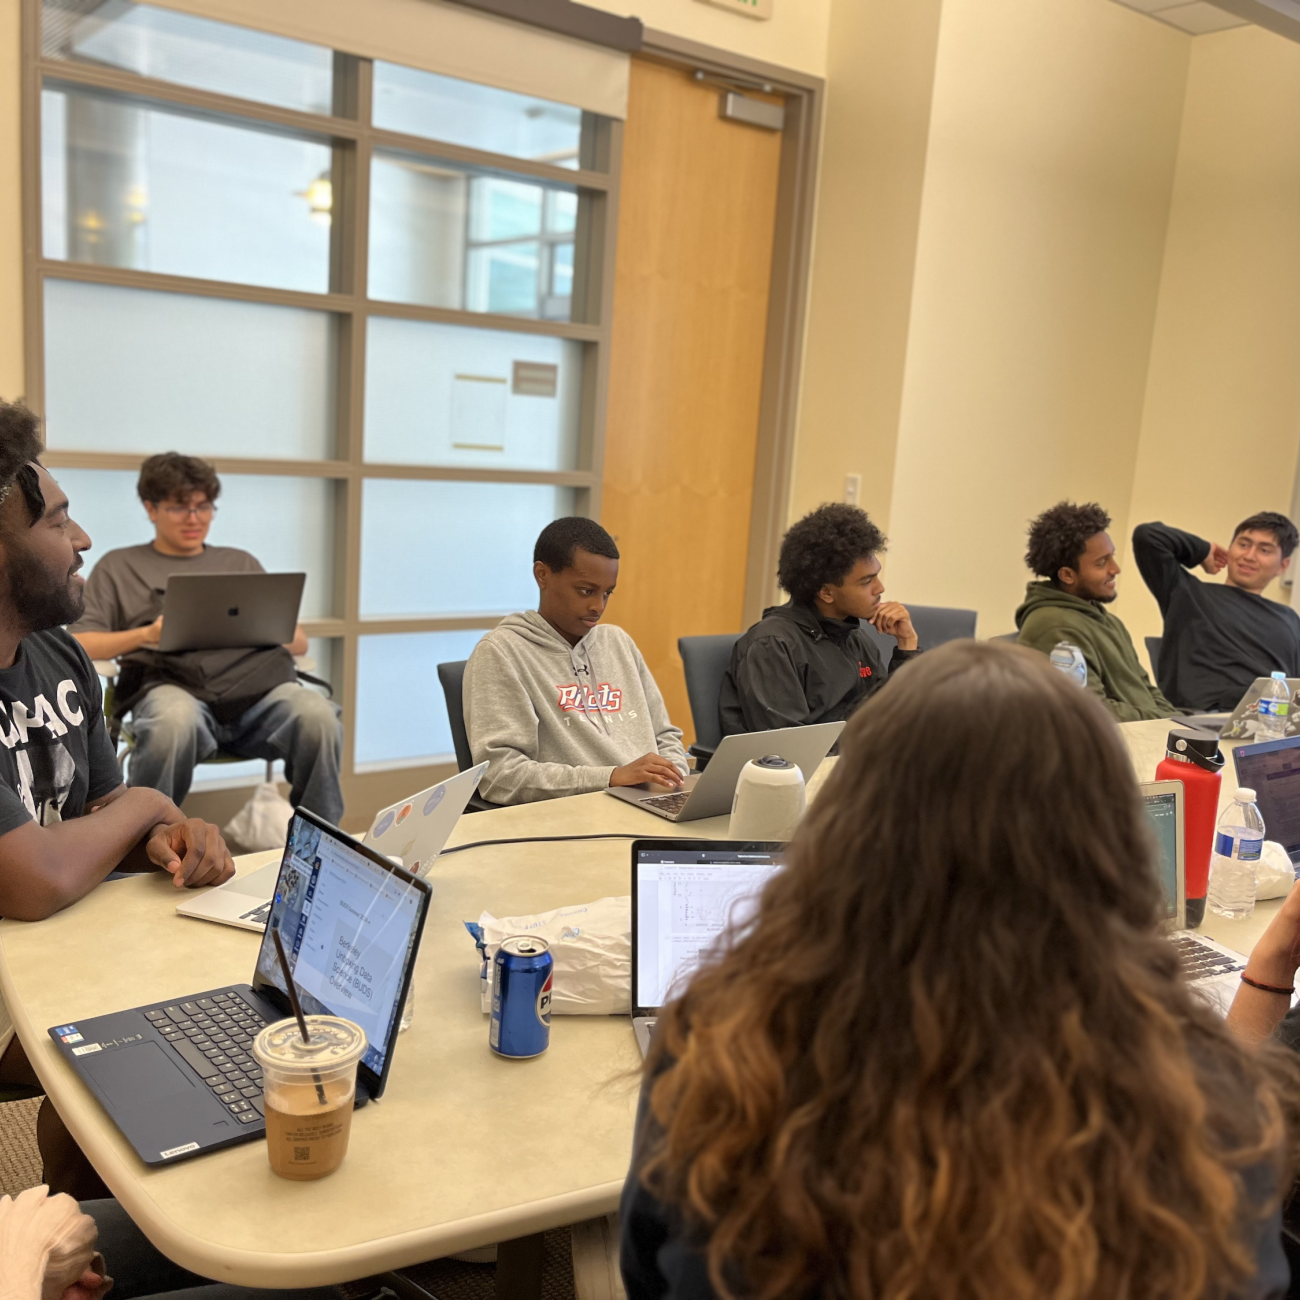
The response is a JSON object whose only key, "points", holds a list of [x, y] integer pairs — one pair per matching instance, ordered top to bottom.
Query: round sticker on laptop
{"points": [[434, 799], [404, 814], [384, 823]]}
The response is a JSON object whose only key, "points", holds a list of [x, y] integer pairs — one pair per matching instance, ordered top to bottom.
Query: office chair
{"points": [[934, 625], [1006, 636], [1153, 653], [705, 660], [452, 677]]}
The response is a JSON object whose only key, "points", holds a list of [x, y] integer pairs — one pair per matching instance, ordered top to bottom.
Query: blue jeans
{"points": [[172, 731]]}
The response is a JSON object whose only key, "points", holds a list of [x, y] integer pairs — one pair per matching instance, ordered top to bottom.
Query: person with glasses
{"points": [[186, 705]]}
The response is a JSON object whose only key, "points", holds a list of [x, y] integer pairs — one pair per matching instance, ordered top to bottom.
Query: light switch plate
{"points": [[750, 8], [852, 489]]}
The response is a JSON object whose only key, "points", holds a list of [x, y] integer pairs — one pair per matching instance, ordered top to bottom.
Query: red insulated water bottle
{"points": [[1193, 757]]}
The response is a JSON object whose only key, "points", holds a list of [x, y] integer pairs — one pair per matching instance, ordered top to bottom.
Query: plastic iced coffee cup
{"points": [[308, 1093]]}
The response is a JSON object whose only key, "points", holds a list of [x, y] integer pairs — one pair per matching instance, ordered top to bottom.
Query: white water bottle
{"points": [[1069, 659], [1275, 708], [1234, 864]]}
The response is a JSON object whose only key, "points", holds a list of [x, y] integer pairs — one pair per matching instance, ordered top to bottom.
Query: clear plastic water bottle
{"points": [[1069, 659], [1275, 708], [1234, 865]]}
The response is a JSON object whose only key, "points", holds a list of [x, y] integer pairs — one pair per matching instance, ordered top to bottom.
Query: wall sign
{"points": [[750, 8]]}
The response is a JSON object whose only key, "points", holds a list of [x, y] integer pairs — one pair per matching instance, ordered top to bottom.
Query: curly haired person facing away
{"points": [[1070, 548], [952, 1056]]}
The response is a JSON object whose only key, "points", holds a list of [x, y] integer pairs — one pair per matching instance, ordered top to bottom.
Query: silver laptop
{"points": [[224, 611], [1243, 722], [709, 793], [414, 831], [684, 895], [1212, 969]]}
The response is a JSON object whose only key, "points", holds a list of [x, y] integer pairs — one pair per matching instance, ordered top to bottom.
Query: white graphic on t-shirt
{"points": [[41, 714], [45, 776]]}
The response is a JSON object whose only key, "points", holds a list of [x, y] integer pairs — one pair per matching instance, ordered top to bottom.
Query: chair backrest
{"points": [[934, 625], [1153, 653], [705, 659], [452, 677]]}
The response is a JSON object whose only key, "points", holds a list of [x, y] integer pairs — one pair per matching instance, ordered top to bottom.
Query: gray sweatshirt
{"points": [[552, 719]]}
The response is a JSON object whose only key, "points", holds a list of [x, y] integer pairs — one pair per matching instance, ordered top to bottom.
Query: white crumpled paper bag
{"points": [[263, 822], [1275, 874], [592, 947]]}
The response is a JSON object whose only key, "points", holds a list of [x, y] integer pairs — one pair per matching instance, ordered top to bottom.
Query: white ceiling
{"points": [[1195, 16]]}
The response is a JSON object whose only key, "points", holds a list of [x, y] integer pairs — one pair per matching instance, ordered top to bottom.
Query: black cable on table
{"points": [[544, 839]]}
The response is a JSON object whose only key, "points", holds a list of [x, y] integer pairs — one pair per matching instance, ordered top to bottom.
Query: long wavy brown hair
{"points": [[952, 1055]]}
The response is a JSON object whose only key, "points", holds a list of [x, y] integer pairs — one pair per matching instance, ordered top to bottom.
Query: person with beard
{"points": [[1070, 548], [66, 819]]}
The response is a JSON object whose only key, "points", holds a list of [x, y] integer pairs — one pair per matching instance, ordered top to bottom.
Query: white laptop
{"points": [[1243, 722], [709, 793], [413, 831], [684, 894], [1212, 969]]}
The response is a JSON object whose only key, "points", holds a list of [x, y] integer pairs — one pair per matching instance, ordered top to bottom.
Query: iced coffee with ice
{"points": [[309, 1089]]}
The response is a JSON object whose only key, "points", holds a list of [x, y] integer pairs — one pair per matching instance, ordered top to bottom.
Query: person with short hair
{"points": [[1070, 548], [1219, 637], [810, 660], [557, 702], [186, 705], [951, 1052]]}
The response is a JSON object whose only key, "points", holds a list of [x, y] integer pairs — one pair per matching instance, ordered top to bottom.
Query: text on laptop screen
{"points": [[1274, 775], [1162, 813], [685, 899], [347, 926]]}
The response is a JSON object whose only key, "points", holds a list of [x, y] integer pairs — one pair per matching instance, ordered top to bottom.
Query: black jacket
{"points": [[1217, 639], [796, 668]]}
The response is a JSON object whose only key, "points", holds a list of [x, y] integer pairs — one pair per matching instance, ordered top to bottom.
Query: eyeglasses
{"points": [[204, 511]]}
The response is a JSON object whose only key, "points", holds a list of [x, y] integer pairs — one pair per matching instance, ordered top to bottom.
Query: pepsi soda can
{"points": [[522, 977]]}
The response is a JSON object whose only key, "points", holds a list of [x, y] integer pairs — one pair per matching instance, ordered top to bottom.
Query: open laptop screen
{"points": [[1272, 770], [1162, 814], [685, 896], [349, 927]]}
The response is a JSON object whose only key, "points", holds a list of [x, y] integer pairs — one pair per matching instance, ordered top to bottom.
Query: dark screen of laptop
{"points": [[1275, 778], [1162, 814], [685, 899], [347, 927]]}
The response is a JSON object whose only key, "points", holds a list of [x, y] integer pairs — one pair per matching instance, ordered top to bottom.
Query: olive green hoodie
{"points": [[1050, 615]]}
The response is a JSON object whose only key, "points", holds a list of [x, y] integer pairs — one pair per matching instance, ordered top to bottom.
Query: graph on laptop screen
{"points": [[1162, 813], [685, 900], [347, 926]]}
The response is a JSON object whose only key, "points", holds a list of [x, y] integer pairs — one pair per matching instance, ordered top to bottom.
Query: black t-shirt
{"points": [[1217, 639], [55, 755]]}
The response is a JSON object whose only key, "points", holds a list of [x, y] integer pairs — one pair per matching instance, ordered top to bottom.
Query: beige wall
{"points": [[1048, 174], [11, 241], [1222, 423]]}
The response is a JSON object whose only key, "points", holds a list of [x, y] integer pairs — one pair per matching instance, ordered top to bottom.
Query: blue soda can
{"points": [[522, 977]]}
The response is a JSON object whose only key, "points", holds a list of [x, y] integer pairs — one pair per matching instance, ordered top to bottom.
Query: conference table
{"points": [[465, 1149]]}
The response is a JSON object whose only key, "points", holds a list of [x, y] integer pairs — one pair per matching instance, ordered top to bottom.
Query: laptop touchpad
{"points": [[142, 1072]]}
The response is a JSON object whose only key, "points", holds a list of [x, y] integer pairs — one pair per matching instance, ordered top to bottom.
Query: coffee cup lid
{"points": [[335, 1043]]}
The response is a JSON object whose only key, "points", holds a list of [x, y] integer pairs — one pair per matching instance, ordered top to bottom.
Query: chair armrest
{"points": [[304, 663], [701, 754]]}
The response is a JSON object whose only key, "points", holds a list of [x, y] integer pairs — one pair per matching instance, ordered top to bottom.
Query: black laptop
{"points": [[178, 1077]]}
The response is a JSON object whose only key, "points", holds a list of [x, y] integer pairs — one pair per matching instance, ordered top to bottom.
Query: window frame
{"points": [[353, 139]]}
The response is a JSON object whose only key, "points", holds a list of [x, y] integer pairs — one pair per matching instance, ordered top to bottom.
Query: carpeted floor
{"points": [[445, 1279]]}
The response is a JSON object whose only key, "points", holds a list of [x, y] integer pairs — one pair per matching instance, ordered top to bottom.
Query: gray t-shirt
{"points": [[127, 586]]}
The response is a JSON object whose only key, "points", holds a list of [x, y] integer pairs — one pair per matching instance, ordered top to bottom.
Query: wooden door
{"points": [[697, 213]]}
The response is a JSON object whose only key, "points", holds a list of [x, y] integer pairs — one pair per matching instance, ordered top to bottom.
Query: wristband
{"points": [[1268, 988]]}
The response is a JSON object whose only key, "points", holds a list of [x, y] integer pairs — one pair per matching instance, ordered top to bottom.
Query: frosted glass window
{"points": [[190, 51], [479, 117], [149, 190], [445, 236], [132, 370], [451, 395], [287, 523], [452, 548], [401, 710]]}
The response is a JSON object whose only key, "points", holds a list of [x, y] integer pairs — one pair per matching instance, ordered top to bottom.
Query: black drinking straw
{"points": [[295, 1004]]}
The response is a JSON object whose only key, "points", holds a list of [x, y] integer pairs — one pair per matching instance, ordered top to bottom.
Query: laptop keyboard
{"points": [[669, 803], [261, 914], [1200, 961], [213, 1036]]}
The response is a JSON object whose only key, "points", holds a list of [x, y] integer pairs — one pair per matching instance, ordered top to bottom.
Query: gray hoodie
{"points": [[552, 719]]}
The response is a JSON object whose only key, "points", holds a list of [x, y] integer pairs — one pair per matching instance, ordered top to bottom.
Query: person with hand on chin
{"points": [[1219, 637], [810, 660], [557, 702], [66, 819]]}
